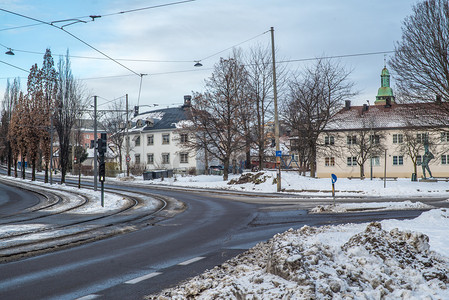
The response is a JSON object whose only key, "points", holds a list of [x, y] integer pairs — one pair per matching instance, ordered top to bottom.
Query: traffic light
{"points": [[136, 111], [102, 145], [102, 171]]}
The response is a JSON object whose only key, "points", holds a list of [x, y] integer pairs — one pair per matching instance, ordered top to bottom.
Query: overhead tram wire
{"points": [[93, 17]]}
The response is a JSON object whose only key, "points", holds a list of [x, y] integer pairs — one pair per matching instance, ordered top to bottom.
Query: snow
{"points": [[303, 185], [392, 259], [351, 261]]}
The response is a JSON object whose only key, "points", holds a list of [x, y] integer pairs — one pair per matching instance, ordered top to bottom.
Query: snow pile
{"points": [[369, 206], [331, 262]]}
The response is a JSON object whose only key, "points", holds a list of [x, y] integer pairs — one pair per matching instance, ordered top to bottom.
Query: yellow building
{"points": [[385, 139]]}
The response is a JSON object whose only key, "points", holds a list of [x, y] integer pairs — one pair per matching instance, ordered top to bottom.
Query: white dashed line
{"points": [[188, 262], [142, 278], [88, 297]]}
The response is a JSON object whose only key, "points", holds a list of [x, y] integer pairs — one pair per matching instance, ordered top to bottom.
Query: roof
{"points": [[389, 117], [160, 119]]}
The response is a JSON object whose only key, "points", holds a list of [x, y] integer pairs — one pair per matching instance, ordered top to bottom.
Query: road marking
{"points": [[188, 262], [142, 278], [88, 297]]}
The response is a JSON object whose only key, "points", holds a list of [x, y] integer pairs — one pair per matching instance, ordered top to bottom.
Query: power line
{"points": [[93, 17], [74, 36]]}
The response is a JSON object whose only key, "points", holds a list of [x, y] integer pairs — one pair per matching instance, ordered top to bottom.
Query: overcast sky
{"points": [[171, 38]]}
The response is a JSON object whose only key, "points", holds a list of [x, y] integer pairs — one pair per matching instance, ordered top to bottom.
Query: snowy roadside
{"points": [[293, 183], [387, 260]]}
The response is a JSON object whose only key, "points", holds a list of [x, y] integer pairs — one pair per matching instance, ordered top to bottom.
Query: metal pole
{"points": [[276, 119], [127, 139], [95, 144], [51, 148], [385, 170]]}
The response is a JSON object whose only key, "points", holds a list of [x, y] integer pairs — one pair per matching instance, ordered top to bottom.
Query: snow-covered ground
{"points": [[293, 183], [387, 260]]}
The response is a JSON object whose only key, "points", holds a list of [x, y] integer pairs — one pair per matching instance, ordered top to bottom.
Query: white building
{"points": [[156, 145]]}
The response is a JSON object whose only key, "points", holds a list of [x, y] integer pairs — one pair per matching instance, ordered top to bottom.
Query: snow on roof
{"points": [[387, 117]]}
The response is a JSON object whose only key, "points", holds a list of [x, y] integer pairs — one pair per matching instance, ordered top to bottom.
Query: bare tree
{"points": [[421, 57], [260, 80], [49, 88], [315, 95], [9, 101], [70, 102], [216, 113], [32, 117], [114, 124], [365, 144]]}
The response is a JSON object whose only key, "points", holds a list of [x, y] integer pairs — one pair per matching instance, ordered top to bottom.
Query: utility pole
{"points": [[276, 117], [95, 143], [51, 147], [127, 158]]}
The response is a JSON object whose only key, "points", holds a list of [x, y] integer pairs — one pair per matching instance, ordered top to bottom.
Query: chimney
{"points": [[438, 99], [187, 101], [347, 104], [365, 107]]}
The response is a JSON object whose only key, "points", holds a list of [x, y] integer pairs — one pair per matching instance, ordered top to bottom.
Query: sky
{"points": [[164, 42]]}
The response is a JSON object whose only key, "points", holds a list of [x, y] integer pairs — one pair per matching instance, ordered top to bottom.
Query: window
{"points": [[445, 136], [421, 137], [166, 138], [184, 138], [374, 138], [398, 138], [150, 139], [351, 139], [329, 140], [137, 141], [150, 158], [165, 158], [184, 158], [137, 159], [418, 159], [445, 159], [398, 160], [329, 161], [351, 161], [375, 161]]}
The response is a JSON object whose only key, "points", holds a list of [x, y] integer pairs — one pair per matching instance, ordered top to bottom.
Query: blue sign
{"points": [[278, 153], [334, 178]]}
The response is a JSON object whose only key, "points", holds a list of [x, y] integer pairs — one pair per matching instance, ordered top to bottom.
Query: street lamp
{"points": [[9, 52], [198, 64]]}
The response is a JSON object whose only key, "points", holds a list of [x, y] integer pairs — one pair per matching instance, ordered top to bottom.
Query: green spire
{"points": [[385, 92]]}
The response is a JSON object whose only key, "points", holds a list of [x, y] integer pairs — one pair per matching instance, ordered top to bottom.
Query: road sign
{"points": [[279, 153], [128, 158], [334, 178]]}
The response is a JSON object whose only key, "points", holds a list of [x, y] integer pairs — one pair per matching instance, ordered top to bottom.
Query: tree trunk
{"points": [[23, 167], [226, 169], [33, 170]]}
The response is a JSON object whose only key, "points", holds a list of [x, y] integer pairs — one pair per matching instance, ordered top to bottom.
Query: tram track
{"points": [[65, 227]]}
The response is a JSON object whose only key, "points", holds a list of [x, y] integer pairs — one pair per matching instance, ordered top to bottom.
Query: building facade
{"points": [[385, 139], [156, 144]]}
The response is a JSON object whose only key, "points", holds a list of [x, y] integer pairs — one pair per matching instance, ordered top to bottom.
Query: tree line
{"points": [[53, 101]]}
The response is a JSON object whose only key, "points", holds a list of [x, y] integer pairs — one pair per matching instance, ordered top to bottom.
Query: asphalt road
{"points": [[212, 229]]}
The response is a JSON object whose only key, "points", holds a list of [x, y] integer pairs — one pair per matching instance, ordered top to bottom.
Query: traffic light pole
{"points": [[96, 145]]}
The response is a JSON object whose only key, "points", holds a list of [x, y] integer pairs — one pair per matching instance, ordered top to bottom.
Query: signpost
{"points": [[334, 180]]}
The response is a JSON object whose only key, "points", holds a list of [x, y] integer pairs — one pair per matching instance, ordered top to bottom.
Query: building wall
{"points": [[340, 152], [139, 153]]}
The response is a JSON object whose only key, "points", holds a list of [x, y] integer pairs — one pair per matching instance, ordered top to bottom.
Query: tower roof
{"points": [[385, 93]]}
